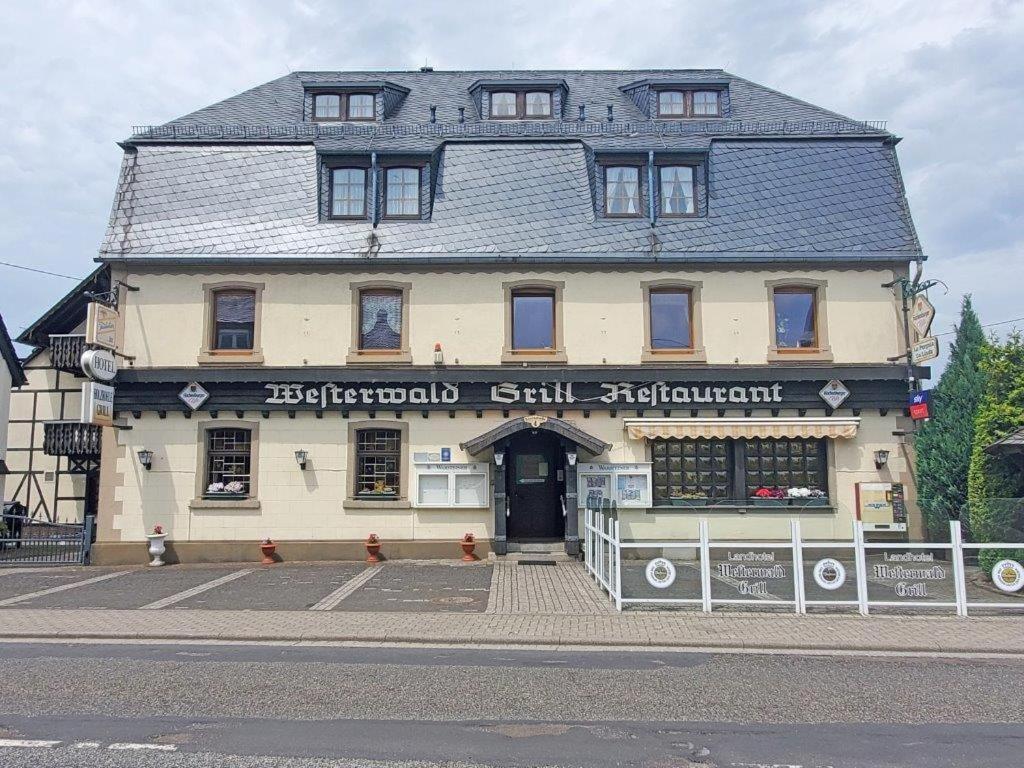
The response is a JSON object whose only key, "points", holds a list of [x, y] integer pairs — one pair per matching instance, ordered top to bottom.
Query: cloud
{"points": [[946, 75]]}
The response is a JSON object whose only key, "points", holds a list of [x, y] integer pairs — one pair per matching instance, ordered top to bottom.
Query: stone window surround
{"points": [[823, 352], [696, 353], [556, 355], [210, 356], [357, 356], [253, 502], [402, 502]]}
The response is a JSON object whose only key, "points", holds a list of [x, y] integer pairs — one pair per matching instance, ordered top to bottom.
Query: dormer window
{"points": [[672, 104], [679, 104], [513, 105], [343, 106], [622, 190]]}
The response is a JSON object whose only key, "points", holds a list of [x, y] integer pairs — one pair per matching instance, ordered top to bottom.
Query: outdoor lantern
{"points": [[499, 457], [146, 458], [300, 458], [571, 458], [881, 458]]}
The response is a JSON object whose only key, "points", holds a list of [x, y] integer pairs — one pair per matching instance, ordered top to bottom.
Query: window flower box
{"points": [[232, 490], [769, 497], [689, 501]]}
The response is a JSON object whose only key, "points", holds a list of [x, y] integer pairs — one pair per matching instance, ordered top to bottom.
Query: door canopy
{"points": [[560, 427]]}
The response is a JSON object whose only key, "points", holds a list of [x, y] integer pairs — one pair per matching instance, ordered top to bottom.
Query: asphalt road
{"points": [[281, 705]]}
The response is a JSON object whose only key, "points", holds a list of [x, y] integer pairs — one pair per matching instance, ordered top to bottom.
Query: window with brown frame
{"points": [[674, 104], [517, 105], [343, 106], [621, 190], [678, 190], [348, 193], [402, 193], [671, 313], [795, 315], [533, 319], [380, 320], [234, 321], [378, 463]]}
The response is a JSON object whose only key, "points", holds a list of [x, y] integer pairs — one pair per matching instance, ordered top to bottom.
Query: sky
{"points": [[75, 76]]}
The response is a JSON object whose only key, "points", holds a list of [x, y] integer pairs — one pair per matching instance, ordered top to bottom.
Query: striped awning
{"points": [[805, 427]]}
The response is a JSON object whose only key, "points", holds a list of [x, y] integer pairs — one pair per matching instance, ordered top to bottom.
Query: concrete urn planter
{"points": [[156, 547]]}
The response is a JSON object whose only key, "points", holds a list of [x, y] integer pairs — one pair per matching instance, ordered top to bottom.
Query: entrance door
{"points": [[536, 481]]}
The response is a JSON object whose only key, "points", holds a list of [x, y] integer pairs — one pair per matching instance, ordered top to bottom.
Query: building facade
{"points": [[421, 304], [11, 375]]}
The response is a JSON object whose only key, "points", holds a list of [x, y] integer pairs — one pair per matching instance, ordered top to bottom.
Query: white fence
{"points": [[786, 573]]}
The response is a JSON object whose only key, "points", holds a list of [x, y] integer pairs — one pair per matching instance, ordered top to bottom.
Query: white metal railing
{"points": [[604, 548]]}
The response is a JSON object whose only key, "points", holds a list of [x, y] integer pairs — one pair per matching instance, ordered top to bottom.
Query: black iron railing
{"points": [[66, 352], [71, 438], [25, 541]]}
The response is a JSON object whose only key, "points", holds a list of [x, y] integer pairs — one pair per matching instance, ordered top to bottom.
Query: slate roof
{"points": [[811, 198], [10, 357], [1012, 443]]}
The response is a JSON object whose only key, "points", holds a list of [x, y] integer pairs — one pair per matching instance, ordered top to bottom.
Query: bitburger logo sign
{"points": [[660, 573], [829, 573], [1008, 575]]}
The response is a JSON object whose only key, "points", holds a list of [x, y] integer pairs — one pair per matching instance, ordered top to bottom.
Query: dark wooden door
{"points": [[535, 485]]}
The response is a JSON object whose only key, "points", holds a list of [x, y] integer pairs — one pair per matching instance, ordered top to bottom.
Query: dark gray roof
{"points": [[280, 102], [832, 199], [65, 315], [10, 357], [566, 429], [1012, 443]]}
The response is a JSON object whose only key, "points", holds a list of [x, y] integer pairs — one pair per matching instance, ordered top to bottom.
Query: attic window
{"points": [[679, 103], [705, 103], [503, 104], [538, 104], [671, 104], [519, 105], [343, 106]]}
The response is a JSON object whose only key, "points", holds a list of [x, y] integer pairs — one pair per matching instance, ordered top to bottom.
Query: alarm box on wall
{"points": [[881, 506]]}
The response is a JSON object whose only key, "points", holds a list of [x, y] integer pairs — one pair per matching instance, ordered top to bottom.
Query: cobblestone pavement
{"points": [[437, 603]]}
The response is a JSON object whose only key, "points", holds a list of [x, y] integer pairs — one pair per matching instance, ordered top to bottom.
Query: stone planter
{"points": [[156, 547], [268, 550], [467, 551], [373, 552]]}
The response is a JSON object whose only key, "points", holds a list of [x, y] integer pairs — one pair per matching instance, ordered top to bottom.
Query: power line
{"points": [[40, 271], [985, 325]]}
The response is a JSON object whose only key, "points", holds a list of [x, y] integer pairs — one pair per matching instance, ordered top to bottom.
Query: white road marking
{"points": [[61, 588], [346, 589], [198, 590], [28, 743], [86, 745], [156, 747]]}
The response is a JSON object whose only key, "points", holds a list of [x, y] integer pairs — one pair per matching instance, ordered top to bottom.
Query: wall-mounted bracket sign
{"points": [[922, 314], [101, 326], [924, 350], [99, 364], [834, 393], [194, 395], [97, 404], [919, 404]]}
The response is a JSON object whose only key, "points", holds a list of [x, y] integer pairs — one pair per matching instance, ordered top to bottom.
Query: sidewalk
{"points": [[690, 630]]}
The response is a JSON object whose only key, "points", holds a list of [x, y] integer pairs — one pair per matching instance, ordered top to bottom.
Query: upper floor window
{"points": [[705, 103], [503, 104], [538, 104], [671, 104], [343, 106], [622, 190], [677, 190], [348, 193], [402, 193], [795, 314], [380, 319], [533, 319], [671, 319], [234, 320]]}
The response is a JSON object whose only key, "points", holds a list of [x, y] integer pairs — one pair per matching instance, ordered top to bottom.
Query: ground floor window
{"points": [[228, 461], [378, 462], [737, 469]]}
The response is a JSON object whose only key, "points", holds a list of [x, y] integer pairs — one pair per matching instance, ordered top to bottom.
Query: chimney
{"points": [[426, 69]]}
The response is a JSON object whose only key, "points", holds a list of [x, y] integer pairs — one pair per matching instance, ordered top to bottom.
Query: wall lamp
{"points": [[301, 456], [146, 458], [499, 458], [571, 458], [881, 458]]}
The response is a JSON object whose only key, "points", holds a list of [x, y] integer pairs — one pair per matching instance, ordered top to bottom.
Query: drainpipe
{"points": [[650, 187], [373, 189]]}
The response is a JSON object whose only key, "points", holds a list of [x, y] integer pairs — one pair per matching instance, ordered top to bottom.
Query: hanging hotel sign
{"points": [[922, 314], [101, 326], [924, 350], [99, 364], [834, 393], [194, 395], [97, 404]]}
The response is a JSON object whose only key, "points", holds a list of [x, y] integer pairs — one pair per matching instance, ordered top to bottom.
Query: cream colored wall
{"points": [[307, 318], [5, 407], [297, 505]]}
